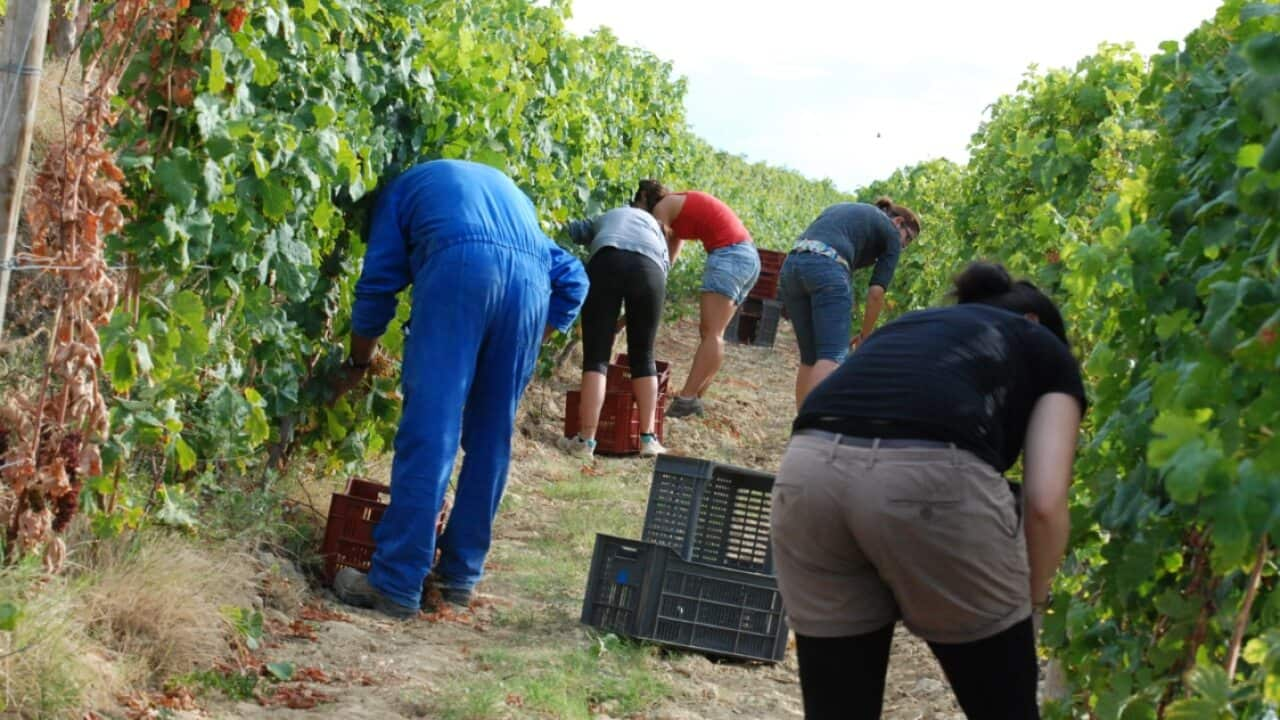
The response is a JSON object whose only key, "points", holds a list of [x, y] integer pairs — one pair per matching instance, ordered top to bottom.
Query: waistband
{"points": [[745, 242], [529, 246], [819, 248], [863, 442]]}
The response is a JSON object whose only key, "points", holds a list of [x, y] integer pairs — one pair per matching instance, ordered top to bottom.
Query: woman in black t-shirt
{"points": [[890, 503]]}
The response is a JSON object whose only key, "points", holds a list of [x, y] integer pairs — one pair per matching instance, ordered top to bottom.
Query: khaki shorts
{"points": [[863, 536]]}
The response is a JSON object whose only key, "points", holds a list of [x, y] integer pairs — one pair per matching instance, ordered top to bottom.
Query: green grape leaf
{"points": [[1263, 53]]}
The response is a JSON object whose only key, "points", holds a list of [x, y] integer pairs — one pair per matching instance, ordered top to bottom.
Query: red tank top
{"points": [[704, 217]]}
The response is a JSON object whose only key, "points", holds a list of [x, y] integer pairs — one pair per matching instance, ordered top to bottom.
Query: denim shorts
{"points": [[732, 271], [818, 295]]}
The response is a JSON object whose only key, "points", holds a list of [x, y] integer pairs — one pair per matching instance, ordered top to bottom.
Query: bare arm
{"points": [[666, 212], [673, 247], [875, 303], [1050, 451]]}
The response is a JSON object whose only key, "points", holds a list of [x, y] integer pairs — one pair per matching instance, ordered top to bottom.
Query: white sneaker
{"points": [[577, 446], [650, 447]]}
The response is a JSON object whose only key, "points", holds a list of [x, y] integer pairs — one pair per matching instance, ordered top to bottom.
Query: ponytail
{"points": [[648, 193], [893, 210]]}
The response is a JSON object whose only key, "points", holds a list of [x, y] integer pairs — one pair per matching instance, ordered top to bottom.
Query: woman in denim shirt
{"points": [[816, 283]]}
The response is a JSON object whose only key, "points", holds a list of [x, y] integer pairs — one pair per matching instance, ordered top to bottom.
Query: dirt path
{"points": [[521, 652]]}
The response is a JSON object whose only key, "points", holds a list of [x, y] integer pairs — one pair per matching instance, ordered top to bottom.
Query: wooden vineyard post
{"points": [[21, 52]]}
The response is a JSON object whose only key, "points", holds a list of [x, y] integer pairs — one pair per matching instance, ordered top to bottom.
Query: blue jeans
{"points": [[732, 271], [818, 295], [478, 315]]}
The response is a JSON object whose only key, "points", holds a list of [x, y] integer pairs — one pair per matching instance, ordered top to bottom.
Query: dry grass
{"points": [[158, 603], [128, 612], [52, 665]]}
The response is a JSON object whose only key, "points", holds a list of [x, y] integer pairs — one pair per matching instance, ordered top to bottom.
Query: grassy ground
{"points": [[223, 630], [521, 652]]}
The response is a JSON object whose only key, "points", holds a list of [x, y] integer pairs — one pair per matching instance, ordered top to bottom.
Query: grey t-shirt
{"points": [[625, 228], [862, 234]]}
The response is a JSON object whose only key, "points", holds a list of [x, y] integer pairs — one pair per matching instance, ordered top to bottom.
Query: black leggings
{"points": [[619, 276], [993, 679]]}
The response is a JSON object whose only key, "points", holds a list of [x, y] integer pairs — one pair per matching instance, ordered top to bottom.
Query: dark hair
{"points": [[648, 193], [893, 210], [989, 283]]}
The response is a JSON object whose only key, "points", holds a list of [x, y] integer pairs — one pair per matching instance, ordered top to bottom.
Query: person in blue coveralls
{"points": [[488, 288]]}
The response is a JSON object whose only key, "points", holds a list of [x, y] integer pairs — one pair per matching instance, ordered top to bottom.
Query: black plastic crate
{"points": [[755, 323], [711, 513], [623, 574], [645, 591], [726, 612]]}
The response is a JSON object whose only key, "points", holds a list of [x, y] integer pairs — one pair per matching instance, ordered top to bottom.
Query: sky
{"points": [[853, 90]]}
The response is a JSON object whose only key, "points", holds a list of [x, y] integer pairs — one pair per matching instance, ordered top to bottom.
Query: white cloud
{"points": [[808, 84]]}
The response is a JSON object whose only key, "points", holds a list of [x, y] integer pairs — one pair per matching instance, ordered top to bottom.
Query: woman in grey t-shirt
{"points": [[628, 265]]}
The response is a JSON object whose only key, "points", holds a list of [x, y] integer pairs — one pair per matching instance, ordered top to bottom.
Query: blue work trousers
{"points": [[479, 310]]}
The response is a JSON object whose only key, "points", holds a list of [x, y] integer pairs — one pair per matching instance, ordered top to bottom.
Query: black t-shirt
{"points": [[968, 374]]}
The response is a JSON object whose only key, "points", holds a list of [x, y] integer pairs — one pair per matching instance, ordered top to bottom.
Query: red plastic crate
{"points": [[771, 260], [766, 288], [755, 323], [619, 375], [619, 430], [348, 533]]}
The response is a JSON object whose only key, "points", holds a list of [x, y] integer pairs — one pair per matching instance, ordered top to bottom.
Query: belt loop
{"points": [[835, 445], [875, 451], [955, 455]]}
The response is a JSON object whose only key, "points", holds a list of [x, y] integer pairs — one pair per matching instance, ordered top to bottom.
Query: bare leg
{"points": [[716, 312], [808, 377], [646, 393], [589, 406]]}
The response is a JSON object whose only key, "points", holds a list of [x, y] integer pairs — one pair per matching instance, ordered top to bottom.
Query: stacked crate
{"points": [[766, 287], [756, 320], [755, 323], [618, 432], [702, 576]]}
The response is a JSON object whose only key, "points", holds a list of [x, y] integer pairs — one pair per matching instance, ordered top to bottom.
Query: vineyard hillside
{"points": [[194, 230]]}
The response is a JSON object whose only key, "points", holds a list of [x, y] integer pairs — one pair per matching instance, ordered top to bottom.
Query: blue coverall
{"points": [[486, 283]]}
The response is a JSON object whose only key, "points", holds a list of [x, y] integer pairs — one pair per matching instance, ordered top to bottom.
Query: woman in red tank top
{"points": [[733, 266]]}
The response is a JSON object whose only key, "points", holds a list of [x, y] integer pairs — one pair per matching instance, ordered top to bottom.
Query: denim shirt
{"points": [[861, 234]]}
